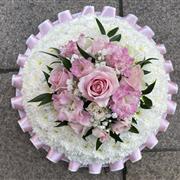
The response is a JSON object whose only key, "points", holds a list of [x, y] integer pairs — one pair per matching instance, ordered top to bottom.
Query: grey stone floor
{"points": [[18, 158]]}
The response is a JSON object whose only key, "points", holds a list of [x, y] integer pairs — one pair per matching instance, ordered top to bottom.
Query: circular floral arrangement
{"points": [[97, 89]]}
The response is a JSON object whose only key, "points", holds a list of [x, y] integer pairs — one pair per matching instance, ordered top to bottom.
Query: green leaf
{"points": [[101, 27], [112, 32], [116, 38], [55, 49], [85, 54], [54, 55], [145, 61], [54, 62], [67, 63], [49, 68], [146, 72], [46, 75], [149, 88], [42, 98], [45, 101], [147, 101], [86, 104], [143, 105], [134, 121], [63, 123], [133, 129], [88, 133], [115, 137], [98, 144]]}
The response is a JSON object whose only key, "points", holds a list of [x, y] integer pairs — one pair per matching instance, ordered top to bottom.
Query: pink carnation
{"points": [[99, 44], [71, 47], [119, 58], [81, 67], [135, 77], [58, 78], [125, 101], [70, 108], [121, 126], [78, 128], [100, 134]]}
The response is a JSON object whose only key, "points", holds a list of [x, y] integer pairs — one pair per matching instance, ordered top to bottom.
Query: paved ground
{"points": [[18, 158]]}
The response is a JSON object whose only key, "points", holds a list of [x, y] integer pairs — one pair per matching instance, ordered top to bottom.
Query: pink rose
{"points": [[99, 44], [118, 57], [81, 67], [58, 78], [135, 78], [99, 85], [125, 101], [121, 126], [100, 134]]}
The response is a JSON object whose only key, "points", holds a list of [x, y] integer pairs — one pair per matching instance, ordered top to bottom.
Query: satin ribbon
{"points": [[88, 10], [108, 11], [64, 16], [131, 19], [44, 27], [147, 31], [31, 41], [161, 48], [21, 60], [168, 66], [17, 81], [172, 87], [16, 103], [171, 107], [25, 124], [163, 125], [36, 141], [151, 141], [54, 156], [135, 156], [73, 166], [116, 166], [95, 168]]}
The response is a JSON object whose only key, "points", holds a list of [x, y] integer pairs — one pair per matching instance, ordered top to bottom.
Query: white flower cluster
{"points": [[70, 85], [101, 117]]}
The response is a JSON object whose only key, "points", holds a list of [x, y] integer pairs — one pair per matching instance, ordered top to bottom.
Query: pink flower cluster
{"points": [[120, 92], [70, 108]]}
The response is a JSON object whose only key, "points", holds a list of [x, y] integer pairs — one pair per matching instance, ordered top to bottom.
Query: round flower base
{"points": [[93, 89]]}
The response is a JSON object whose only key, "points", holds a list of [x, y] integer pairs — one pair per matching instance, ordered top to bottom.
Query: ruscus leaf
{"points": [[101, 27], [112, 32], [116, 38], [85, 54], [54, 55], [149, 88], [63, 123], [133, 129], [98, 144]]}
